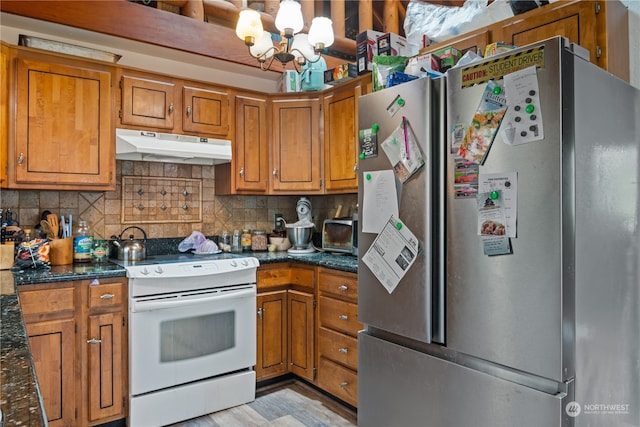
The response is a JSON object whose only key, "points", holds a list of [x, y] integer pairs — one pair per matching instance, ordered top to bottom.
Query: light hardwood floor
{"points": [[288, 404]]}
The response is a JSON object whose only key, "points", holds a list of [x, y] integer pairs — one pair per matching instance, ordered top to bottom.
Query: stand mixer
{"points": [[301, 232]]}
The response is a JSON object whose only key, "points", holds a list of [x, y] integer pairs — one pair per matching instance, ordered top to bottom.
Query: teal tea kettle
{"points": [[312, 77]]}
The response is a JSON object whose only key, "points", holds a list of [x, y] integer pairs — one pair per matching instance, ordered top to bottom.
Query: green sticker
{"points": [[497, 90], [401, 102], [529, 108], [375, 127], [362, 155], [368, 176], [494, 195], [398, 225]]}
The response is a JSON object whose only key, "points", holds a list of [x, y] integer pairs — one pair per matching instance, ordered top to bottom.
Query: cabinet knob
{"points": [[171, 108], [188, 110], [21, 159], [355, 167], [242, 172], [275, 172], [343, 288], [107, 296], [260, 312], [343, 317], [94, 341], [343, 350], [344, 384]]}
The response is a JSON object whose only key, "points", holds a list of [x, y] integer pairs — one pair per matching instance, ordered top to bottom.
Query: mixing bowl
{"points": [[299, 236]]}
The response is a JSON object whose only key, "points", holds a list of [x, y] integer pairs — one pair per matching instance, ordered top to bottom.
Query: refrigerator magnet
{"points": [[368, 140], [403, 151]]}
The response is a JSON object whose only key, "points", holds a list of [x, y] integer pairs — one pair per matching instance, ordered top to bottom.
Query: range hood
{"points": [[172, 148]]}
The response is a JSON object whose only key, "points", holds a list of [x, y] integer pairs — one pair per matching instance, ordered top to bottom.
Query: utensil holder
{"points": [[61, 252]]}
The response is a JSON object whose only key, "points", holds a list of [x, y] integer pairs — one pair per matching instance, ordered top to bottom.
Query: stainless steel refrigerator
{"points": [[545, 331]]}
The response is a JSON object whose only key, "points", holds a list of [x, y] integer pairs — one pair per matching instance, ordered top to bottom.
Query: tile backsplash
{"points": [[103, 211]]}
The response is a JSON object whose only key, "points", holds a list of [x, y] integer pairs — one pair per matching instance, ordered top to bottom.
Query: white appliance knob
{"points": [[245, 262], [233, 264], [159, 270], [144, 271]]}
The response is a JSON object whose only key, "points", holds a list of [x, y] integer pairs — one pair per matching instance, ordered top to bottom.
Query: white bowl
{"points": [[282, 243]]}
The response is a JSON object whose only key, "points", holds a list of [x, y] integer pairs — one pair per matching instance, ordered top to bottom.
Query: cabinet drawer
{"points": [[339, 285], [106, 295], [47, 301], [339, 315], [339, 348], [338, 380]]}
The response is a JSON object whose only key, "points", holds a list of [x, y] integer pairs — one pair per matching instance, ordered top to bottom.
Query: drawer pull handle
{"points": [[188, 110], [343, 288], [107, 296], [343, 317], [94, 341], [343, 350], [344, 384]]}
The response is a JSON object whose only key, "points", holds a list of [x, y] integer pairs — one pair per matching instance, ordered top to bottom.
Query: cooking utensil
{"points": [[54, 224], [46, 228], [132, 249]]}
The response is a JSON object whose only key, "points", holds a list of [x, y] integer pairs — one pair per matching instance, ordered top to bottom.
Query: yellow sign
{"points": [[496, 69]]}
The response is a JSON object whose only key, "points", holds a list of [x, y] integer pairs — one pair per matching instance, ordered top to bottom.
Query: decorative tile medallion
{"points": [[161, 200]]}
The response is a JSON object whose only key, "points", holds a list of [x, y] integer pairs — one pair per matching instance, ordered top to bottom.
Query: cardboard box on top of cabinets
{"points": [[375, 43], [340, 73], [290, 81]]}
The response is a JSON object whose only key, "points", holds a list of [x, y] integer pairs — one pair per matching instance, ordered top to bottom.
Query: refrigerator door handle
{"points": [[438, 313]]}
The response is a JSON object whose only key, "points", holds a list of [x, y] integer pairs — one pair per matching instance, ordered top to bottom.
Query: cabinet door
{"points": [[148, 103], [205, 111], [4, 112], [63, 126], [341, 140], [252, 145], [296, 151], [272, 334], [301, 338], [54, 355], [105, 367]]}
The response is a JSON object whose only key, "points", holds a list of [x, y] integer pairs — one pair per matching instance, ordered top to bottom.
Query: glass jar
{"points": [[225, 237], [245, 240], [259, 240], [82, 243], [236, 244], [100, 251]]}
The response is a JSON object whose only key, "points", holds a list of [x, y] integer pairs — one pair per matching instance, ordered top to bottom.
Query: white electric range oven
{"points": [[192, 336]]}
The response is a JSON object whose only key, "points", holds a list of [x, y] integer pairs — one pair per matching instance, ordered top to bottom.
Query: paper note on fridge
{"points": [[507, 184], [379, 200], [392, 253]]}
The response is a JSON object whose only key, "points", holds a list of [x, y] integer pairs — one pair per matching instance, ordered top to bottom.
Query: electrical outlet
{"points": [[278, 221]]}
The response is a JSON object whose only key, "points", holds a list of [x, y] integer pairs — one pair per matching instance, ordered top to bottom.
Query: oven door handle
{"points": [[138, 306]]}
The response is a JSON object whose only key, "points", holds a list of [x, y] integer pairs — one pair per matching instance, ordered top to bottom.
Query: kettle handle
{"points": [[133, 226]]}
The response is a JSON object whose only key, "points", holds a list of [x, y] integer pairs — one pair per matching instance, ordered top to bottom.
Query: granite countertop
{"points": [[20, 401]]}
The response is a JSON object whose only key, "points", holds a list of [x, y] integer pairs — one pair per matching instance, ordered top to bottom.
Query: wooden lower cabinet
{"points": [[77, 334], [301, 334], [271, 350], [338, 380]]}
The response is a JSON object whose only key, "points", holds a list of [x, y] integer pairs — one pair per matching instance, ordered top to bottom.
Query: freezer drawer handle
{"points": [[343, 288], [343, 317], [94, 341], [343, 350], [344, 384]]}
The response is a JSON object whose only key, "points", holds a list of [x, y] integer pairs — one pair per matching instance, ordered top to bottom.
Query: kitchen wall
{"points": [[103, 210]]}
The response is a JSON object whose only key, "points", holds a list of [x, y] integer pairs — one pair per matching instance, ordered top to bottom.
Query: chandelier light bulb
{"points": [[289, 18], [249, 26], [321, 33], [263, 46], [302, 47]]}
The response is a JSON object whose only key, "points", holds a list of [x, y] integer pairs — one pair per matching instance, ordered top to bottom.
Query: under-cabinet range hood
{"points": [[172, 148]]}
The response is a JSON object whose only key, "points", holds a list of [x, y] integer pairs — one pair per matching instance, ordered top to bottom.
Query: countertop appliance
{"points": [[301, 232], [339, 235], [546, 334], [192, 335]]}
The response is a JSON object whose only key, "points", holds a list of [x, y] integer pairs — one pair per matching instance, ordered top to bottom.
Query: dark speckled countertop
{"points": [[20, 399]]}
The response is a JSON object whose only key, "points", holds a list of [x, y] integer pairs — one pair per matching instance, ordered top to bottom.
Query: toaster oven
{"points": [[340, 235]]}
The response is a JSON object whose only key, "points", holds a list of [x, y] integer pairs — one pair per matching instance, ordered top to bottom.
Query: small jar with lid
{"points": [[225, 237], [246, 240], [259, 240], [236, 244], [100, 251]]}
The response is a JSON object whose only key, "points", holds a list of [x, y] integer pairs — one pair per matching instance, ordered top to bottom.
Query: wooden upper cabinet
{"points": [[148, 103], [204, 111], [4, 112], [63, 131], [341, 140], [296, 150], [249, 167]]}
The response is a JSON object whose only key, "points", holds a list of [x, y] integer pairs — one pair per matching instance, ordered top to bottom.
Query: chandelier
{"points": [[294, 46]]}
